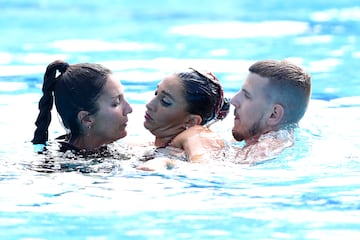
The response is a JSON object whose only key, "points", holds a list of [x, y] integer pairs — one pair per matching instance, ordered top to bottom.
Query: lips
{"points": [[147, 116], [124, 124]]}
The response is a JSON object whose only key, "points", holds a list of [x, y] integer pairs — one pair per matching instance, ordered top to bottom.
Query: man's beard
{"points": [[254, 130]]}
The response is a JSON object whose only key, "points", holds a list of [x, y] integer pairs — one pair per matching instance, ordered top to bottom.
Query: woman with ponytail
{"points": [[90, 102], [184, 106]]}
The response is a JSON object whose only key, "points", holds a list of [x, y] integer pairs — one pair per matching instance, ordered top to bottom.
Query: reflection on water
{"points": [[107, 160], [311, 191]]}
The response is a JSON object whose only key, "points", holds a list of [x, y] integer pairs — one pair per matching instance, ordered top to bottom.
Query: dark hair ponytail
{"points": [[46, 102]]}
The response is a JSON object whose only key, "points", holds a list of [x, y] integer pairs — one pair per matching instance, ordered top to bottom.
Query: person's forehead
{"points": [[255, 82], [171, 84], [113, 86]]}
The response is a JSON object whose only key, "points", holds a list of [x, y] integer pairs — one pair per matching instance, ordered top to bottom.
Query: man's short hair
{"points": [[289, 85]]}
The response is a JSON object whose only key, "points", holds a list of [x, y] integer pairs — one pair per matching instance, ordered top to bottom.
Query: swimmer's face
{"points": [[252, 108], [166, 113]]}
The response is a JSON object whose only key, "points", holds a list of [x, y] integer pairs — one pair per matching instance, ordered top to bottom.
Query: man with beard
{"points": [[271, 102]]}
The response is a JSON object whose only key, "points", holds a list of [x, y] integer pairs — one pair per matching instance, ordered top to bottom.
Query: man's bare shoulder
{"points": [[268, 146]]}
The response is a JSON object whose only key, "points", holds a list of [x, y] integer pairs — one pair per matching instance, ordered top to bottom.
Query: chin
{"points": [[146, 125], [122, 134], [237, 136]]}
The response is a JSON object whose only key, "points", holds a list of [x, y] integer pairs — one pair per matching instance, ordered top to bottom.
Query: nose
{"points": [[235, 100], [151, 105], [128, 109]]}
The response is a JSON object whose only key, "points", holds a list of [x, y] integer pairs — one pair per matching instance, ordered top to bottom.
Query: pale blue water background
{"points": [[312, 191]]}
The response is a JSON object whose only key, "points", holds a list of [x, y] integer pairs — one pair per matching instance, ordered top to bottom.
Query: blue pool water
{"points": [[312, 191]]}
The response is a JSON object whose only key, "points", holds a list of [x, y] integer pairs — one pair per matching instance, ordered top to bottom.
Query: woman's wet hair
{"points": [[75, 89], [204, 95]]}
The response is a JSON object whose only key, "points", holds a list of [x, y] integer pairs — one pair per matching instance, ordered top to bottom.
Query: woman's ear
{"points": [[276, 115], [85, 119], [194, 120]]}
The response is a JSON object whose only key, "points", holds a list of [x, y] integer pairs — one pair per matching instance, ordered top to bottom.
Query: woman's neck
{"points": [[161, 142], [85, 143]]}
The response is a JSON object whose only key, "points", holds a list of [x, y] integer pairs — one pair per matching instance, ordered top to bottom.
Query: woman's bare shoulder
{"points": [[198, 136]]}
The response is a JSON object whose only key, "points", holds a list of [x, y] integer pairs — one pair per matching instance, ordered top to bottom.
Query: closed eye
{"points": [[246, 94], [165, 98], [117, 100], [165, 102]]}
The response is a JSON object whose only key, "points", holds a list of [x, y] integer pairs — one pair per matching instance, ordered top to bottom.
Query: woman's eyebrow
{"points": [[167, 94], [117, 96]]}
